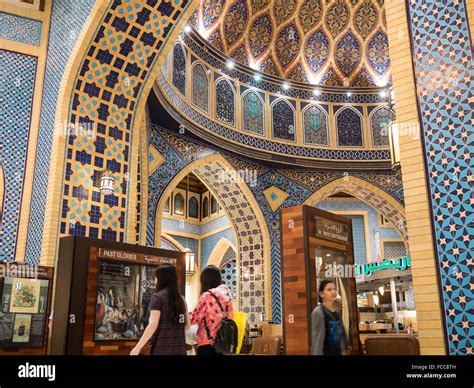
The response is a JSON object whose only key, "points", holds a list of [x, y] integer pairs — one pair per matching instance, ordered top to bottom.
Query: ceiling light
{"points": [[187, 28], [230, 64], [257, 77], [286, 86], [316, 92], [349, 94], [383, 94], [381, 290]]}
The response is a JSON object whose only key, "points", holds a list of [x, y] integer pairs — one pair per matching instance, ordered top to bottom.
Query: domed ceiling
{"points": [[329, 42]]}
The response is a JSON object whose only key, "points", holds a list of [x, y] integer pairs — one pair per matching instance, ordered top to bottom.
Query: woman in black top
{"points": [[168, 319], [327, 331]]}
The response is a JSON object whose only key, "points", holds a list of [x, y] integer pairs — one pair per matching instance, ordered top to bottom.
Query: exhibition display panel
{"points": [[102, 294]]}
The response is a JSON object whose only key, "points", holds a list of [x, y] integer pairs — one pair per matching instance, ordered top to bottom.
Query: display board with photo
{"points": [[123, 293], [23, 312]]}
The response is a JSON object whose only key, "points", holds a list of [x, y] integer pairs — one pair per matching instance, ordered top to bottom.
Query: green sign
{"points": [[400, 264]]}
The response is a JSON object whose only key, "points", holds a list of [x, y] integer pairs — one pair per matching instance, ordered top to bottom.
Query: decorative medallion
{"points": [[283, 10], [211, 11], [310, 14], [337, 18], [366, 18], [235, 22], [260, 35], [287, 45], [316, 50], [377, 52], [348, 53], [298, 73], [275, 197]]}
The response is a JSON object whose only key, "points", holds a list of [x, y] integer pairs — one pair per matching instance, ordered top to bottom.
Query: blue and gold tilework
{"points": [[442, 52], [17, 83]]}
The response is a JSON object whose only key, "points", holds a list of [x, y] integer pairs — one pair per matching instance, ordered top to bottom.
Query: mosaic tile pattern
{"points": [[65, 16], [20, 29], [275, 34], [442, 52], [179, 68], [17, 82], [107, 88], [200, 92], [225, 102], [253, 113], [283, 121], [315, 126], [349, 128], [228, 267]]}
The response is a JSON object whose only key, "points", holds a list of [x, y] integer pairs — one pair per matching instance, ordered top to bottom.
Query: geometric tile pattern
{"points": [[66, 16], [20, 29], [295, 37], [443, 57], [17, 82], [107, 88], [249, 233], [228, 267]]}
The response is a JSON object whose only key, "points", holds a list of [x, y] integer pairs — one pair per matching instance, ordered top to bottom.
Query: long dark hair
{"points": [[210, 278], [168, 280], [323, 285]]}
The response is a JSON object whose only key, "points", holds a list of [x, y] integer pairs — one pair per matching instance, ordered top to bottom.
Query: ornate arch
{"points": [[104, 89], [368, 193], [244, 213], [221, 247]]}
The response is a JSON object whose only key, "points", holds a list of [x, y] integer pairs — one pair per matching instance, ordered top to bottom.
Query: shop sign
{"points": [[331, 230], [400, 264]]}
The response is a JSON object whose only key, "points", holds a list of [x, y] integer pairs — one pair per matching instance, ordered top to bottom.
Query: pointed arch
{"points": [[179, 68], [200, 95], [225, 101], [253, 112], [283, 120], [349, 128], [379, 128], [310, 135], [217, 173], [368, 193]]}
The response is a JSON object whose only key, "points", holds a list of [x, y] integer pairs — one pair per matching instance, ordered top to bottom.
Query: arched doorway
{"points": [[252, 239]]}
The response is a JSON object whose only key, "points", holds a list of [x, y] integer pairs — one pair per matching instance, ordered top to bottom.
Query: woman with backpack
{"points": [[213, 308], [167, 322], [327, 331]]}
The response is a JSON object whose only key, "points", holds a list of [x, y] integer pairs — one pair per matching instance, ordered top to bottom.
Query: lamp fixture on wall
{"points": [[107, 183], [190, 263]]}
